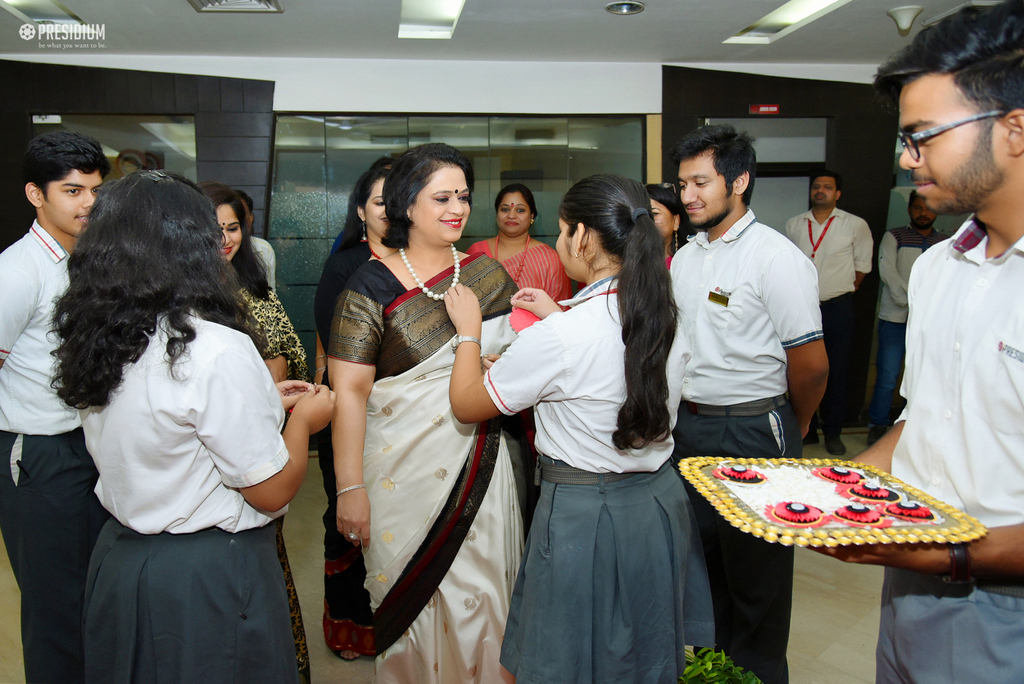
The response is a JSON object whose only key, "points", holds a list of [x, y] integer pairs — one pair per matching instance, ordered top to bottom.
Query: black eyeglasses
{"points": [[911, 141]]}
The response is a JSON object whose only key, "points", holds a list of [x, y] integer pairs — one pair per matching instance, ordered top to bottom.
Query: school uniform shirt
{"points": [[843, 249], [33, 274], [744, 299], [570, 365], [963, 441], [175, 443]]}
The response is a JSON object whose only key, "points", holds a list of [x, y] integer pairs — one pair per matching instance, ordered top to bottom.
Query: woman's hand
{"points": [[536, 301], [464, 310], [488, 360], [291, 391], [314, 408], [353, 517]]}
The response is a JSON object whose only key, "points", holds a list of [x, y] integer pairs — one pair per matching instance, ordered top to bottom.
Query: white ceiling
{"points": [[669, 31]]}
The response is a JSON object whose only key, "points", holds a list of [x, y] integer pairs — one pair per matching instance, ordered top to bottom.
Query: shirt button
{"points": [[709, 257], [982, 281], [956, 347], [686, 379], [948, 415], [935, 481]]}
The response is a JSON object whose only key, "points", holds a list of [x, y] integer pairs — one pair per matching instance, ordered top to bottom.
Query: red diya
{"points": [[739, 473], [838, 474], [872, 492], [910, 510], [795, 514], [861, 515]]}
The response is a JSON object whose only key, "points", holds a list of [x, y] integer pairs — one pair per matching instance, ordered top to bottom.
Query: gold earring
{"points": [[578, 255]]}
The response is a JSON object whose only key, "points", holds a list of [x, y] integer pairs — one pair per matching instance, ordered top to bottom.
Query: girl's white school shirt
{"points": [[570, 365], [173, 445]]}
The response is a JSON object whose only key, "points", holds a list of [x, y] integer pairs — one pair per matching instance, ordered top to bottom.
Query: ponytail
{"points": [[618, 211], [648, 314]]}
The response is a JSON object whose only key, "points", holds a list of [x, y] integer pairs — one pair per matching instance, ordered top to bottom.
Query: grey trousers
{"points": [[932, 631]]}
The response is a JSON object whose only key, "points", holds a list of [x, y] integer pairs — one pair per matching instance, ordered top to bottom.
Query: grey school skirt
{"points": [[612, 585], [209, 606]]}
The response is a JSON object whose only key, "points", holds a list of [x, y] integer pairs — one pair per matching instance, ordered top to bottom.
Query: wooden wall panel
{"points": [[234, 123]]}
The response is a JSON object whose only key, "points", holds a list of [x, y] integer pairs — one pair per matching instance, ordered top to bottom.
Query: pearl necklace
{"points": [[419, 283]]}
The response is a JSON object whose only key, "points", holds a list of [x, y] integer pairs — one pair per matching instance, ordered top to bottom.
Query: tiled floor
{"points": [[832, 641]]}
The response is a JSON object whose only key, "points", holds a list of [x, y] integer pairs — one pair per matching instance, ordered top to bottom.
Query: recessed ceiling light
{"points": [[272, 6], [624, 8], [41, 11], [429, 18], [785, 20]]}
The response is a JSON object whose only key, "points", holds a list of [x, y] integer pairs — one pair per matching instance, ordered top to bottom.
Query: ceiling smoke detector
{"points": [[255, 6], [625, 8]]}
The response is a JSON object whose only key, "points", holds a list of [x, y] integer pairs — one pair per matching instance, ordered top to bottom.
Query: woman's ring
{"points": [[353, 536]]}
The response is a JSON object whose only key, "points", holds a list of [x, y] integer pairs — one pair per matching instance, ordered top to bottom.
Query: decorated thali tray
{"points": [[824, 502]]}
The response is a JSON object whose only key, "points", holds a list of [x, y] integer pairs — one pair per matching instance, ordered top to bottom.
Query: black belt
{"points": [[758, 407], [561, 473], [1014, 590]]}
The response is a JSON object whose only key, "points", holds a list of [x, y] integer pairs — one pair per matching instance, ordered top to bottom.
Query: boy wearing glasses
{"points": [[49, 515], [955, 612]]}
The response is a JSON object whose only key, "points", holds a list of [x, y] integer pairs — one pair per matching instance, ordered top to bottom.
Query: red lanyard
{"points": [[810, 234]]}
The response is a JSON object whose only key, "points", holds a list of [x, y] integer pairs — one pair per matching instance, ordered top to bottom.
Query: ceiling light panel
{"points": [[253, 6], [40, 11], [429, 18], [786, 19]]}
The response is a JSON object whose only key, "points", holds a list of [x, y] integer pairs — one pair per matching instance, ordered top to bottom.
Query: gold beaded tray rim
{"points": [[960, 527]]}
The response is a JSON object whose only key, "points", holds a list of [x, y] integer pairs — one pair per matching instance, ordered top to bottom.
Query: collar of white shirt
{"points": [[734, 232], [47, 242], [595, 289]]}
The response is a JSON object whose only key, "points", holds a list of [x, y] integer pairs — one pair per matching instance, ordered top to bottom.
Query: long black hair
{"points": [[409, 175], [618, 211], [353, 231], [152, 251], [249, 267]]}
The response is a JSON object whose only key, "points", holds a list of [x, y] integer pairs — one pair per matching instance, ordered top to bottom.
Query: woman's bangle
{"points": [[322, 356], [322, 368], [349, 489]]}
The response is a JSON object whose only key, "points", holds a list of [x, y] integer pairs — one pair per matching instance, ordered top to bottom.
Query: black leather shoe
{"points": [[876, 432], [835, 446]]}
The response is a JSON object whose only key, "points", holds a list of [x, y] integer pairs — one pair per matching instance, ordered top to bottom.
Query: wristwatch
{"points": [[459, 339]]}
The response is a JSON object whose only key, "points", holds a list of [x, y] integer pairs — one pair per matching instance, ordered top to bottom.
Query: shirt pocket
{"points": [[724, 316], [994, 381]]}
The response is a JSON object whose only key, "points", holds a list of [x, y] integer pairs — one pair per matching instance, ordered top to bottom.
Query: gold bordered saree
{"points": [[446, 527]]}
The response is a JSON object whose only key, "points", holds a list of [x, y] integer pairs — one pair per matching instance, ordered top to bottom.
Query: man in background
{"points": [[840, 245], [899, 249], [49, 515]]}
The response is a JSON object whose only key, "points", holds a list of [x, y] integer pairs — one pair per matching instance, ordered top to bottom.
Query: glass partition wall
{"points": [[317, 160]]}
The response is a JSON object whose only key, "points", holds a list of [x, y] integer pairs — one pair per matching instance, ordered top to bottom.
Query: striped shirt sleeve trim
{"points": [[803, 339], [503, 407]]}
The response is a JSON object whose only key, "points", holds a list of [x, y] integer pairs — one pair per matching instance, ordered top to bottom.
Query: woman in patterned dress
{"points": [[283, 352]]}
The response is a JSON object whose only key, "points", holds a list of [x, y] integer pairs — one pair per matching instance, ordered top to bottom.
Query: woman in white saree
{"points": [[432, 501]]}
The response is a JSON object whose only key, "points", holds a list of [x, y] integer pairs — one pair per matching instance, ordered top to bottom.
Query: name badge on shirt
{"points": [[718, 298]]}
